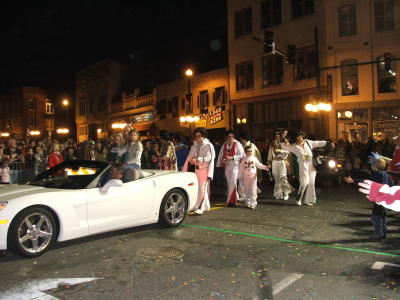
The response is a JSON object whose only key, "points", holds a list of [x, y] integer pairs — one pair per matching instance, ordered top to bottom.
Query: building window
{"points": [[302, 8], [271, 13], [384, 15], [347, 20], [243, 22], [305, 66], [272, 69], [244, 76], [349, 77], [386, 78], [220, 96], [102, 99], [203, 99], [183, 104], [31, 105], [82, 106], [49, 107], [169, 107], [175, 107], [162, 109], [31, 122], [49, 124]]}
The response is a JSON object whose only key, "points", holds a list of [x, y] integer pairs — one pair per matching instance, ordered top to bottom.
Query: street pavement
{"points": [[278, 251]]}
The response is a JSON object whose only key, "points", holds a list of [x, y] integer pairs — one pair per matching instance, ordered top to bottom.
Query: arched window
{"points": [[347, 20], [349, 73]]}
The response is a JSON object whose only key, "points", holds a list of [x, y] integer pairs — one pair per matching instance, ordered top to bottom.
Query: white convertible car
{"points": [[80, 198]]}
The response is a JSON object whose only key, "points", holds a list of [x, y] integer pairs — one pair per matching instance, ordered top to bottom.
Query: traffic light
{"points": [[269, 44], [291, 54], [387, 57]]}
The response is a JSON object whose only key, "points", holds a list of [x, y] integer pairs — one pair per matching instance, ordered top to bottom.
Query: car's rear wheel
{"points": [[173, 208], [32, 232]]}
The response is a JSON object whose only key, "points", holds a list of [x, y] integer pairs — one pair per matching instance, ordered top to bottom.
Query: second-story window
{"points": [[302, 8], [271, 13], [384, 15], [347, 20], [243, 22], [306, 62], [272, 69], [349, 75], [244, 76], [386, 76], [220, 96], [102, 99], [203, 99], [31, 105], [82, 106], [49, 107], [175, 107], [162, 109]]}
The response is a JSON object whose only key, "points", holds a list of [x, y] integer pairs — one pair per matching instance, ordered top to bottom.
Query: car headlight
{"points": [[331, 164], [3, 205]]}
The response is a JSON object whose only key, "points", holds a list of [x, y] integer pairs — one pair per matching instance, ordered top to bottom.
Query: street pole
{"points": [[320, 125]]}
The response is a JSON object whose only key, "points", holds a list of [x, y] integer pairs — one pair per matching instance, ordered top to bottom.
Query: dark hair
{"points": [[200, 130], [228, 132], [164, 134], [293, 134], [245, 136], [247, 148]]}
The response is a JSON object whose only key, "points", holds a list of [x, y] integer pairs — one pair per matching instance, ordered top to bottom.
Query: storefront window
{"points": [[360, 114], [353, 131]]}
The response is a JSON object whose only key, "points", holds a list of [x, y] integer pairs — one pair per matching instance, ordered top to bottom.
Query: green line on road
{"points": [[289, 241]]}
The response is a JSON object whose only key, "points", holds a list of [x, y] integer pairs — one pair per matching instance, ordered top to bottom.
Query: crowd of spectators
{"points": [[21, 160]]}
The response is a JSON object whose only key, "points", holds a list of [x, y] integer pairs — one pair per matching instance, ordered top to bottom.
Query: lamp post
{"points": [[189, 74]]}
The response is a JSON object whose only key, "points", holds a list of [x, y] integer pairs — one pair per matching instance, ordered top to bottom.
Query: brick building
{"points": [[208, 100], [26, 111]]}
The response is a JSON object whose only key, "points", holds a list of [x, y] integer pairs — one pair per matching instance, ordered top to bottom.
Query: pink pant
{"points": [[203, 200]]}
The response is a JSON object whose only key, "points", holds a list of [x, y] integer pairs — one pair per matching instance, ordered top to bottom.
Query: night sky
{"points": [[44, 43]]}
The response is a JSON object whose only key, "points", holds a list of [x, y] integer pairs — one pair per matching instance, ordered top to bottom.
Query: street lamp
{"points": [[65, 102], [189, 117]]}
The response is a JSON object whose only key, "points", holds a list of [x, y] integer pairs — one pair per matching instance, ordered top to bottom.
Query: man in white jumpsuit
{"points": [[302, 148], [202, 156], [229, 157], [277, 158], [248, 173]]}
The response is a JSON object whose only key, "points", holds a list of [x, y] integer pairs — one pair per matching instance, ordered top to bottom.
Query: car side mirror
{"points": [[111, 183]]}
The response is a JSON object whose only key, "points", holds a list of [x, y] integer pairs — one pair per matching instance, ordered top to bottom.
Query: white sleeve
{"points": [[316, 144], [239, 152], [220, 155], [260, 165]]}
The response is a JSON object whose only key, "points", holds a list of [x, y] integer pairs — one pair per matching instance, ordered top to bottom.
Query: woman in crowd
{"points": [[302, 148], [167, 152], [154, 155], [55, 156], [202, 156], [146, 159]]}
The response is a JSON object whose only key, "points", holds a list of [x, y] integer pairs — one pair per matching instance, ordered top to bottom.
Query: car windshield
{"points": [[69, 175]]}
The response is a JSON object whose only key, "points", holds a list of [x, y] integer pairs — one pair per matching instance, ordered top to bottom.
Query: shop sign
{"points": [[215, 115], [145, 117], [201, 123], [385, 125]]}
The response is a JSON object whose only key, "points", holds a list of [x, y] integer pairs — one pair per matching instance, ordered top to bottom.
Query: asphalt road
{"points": [[277, 251]]}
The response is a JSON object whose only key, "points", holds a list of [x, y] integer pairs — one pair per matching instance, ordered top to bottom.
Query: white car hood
{"points": [[12, 191]]}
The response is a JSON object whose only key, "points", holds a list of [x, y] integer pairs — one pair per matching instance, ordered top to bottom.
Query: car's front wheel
{"points": [[173, 208], [32, 232]]}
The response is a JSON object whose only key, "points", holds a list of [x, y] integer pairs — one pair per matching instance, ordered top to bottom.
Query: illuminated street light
{"points": [[189, 72], [65, 102], [318, 107], [348, 114], [62, 130], [98, 130], [34, 132], [4, 134]]}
